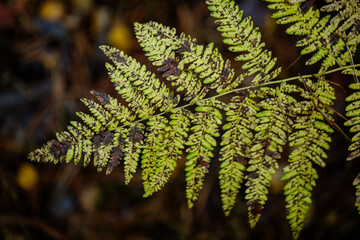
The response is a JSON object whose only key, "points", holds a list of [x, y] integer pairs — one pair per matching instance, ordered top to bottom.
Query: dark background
{"points": [[49, 59]]}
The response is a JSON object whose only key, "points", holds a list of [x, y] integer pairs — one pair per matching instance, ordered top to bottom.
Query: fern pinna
{"points": [[334, 39], [159, 121]]}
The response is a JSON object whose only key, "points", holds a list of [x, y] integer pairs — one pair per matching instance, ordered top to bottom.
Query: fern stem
{"points": [[252, 86]]}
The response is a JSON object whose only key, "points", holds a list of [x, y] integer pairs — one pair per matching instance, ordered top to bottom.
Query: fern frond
{"points": [[329, 36], [242, 37], [273, 125], [148, 126], [67, 139], [309, 141], [201, 143], [236, 143]]}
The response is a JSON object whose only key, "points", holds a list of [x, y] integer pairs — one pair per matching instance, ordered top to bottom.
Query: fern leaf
{"points": [[326, 36], [243, 37], [354, 72], [273, 124], [82, 129], [175, 136], [309, 140], [236, 142], [201, 143], [78, 144], [68, 146], [102, 146], [132, 149], [169, 151], [117, 152], [153, 152]]}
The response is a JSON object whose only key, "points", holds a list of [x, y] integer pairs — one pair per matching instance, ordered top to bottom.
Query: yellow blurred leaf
{"points": [[52, 10], [120, 36], [27, 176]]}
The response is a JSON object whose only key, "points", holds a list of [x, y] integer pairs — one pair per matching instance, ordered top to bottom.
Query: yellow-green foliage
{"points": [[242, 37], [332, 39], [353, 112], [185, 117], [309, 138], [236, 143]]}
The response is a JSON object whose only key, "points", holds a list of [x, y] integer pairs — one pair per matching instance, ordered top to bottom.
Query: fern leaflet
{"points": [[326, 36], [353, 111], [309, 140], [236, 142]]}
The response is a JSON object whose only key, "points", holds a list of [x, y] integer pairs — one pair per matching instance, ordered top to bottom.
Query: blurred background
{"points": [[49, 59]]}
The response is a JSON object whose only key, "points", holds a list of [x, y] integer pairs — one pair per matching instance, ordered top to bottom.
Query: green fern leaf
{"points": [[347, 12], [243, 37], [332, 38], [354, 72], [273, 124], [309, 140], [236, 142], [201, 143], [78, 144], [102, 146], [132, 149], [169, 150], [117, 152], [153, 152], [43, 154]]}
